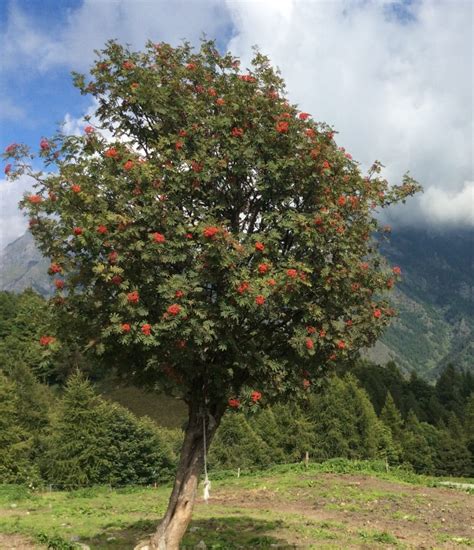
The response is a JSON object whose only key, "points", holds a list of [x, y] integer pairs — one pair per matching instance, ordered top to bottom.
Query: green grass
{"points": [[323, 506]]}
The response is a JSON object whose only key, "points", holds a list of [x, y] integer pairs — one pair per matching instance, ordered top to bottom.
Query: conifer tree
{"points": [[449, 389], [392, 418], [345, 423], [268, 424], [295, 428], [469, 431], [97, 442], [238, 446], [76, 449], [416, 449], [137, 452], [452, 458], [16, 465]]}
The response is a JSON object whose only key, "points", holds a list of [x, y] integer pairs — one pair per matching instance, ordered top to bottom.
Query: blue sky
{"points": [[393, 77]]}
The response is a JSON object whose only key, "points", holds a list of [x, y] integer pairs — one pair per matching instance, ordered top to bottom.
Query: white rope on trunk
{"points": [[207, 483]]}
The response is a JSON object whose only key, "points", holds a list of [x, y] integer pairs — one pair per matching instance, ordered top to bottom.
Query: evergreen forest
{"points": [[59, 429]]}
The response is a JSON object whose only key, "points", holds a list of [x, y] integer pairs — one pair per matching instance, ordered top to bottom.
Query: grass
{"points": [[338, 504]]}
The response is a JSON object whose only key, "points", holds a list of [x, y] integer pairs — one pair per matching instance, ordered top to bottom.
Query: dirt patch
{"points": [[418, 517], [17, 542]]}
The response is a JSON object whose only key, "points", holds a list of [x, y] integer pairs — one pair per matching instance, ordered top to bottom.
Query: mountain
{"points": [[22, 266], [435, 300]]}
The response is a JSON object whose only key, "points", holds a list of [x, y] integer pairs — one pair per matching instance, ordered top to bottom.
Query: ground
{"points": [[292, 508]]}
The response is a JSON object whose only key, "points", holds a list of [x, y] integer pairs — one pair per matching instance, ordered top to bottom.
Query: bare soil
{"points": [[417, 517], [17, 542]]}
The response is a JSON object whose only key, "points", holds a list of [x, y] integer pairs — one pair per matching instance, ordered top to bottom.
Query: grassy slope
{"points": [[165, 411], [288, 507]]}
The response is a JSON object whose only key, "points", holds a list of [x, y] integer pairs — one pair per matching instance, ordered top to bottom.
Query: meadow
{"points": [[333, 505]]}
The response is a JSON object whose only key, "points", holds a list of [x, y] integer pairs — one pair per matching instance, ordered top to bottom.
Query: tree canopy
{"points": [[205, 231], [207, 237]]}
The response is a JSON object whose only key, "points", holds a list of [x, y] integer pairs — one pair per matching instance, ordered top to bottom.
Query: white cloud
{"points": [[88, 27], [397, 90], [10, 111], [441, 206], [12, 223]]}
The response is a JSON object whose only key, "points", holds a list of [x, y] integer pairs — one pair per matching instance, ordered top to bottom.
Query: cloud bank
{"points": [[394, 78]]}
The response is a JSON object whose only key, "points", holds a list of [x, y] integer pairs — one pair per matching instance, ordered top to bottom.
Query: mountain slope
{"points": [[22, 266], [435, 300]]}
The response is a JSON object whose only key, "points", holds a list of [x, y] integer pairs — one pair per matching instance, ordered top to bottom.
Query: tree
{"points": [[219, 244], [449, 389], [392, 419], [345, 423], [469, 430], [16, 442], [95, 442], [78, 444], [238, 446], [416, 448], [452, 457]]}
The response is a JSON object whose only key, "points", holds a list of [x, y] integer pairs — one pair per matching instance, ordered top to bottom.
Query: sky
{"points": [[393, 77]]}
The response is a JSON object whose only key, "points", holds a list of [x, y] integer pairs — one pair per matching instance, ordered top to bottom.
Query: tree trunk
{"points": [[180, 506]]}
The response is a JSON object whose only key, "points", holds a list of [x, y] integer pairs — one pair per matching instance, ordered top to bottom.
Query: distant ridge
{"points": [[23, 266], [435, 300]]}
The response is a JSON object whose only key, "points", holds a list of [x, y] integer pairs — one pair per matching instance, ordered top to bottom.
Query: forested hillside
{"points": [[435, 300], [59, 428]]}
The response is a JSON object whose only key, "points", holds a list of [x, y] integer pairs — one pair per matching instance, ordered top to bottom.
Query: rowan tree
{"points": [[207, 238]]}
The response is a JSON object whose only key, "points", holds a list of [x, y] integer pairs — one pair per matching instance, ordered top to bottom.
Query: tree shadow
{"points": [[222, 533], [235, 533]]}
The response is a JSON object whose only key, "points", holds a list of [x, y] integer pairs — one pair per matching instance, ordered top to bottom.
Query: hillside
{"points": [[22, 266], [435, 301], [287, 507]]}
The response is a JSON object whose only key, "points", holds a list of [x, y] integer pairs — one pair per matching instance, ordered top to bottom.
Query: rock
{"points": [[201, 546]]}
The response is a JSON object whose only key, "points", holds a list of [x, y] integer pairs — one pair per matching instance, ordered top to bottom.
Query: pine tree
{"points": [[449, 390], [392, 418], [331, 419], [345, 422], [268, 425], [295, 427], [468, 427], [16, 442], [96, 442], [236, 445], [416, 449], [137, 452], [75, 454], [452, 457]]}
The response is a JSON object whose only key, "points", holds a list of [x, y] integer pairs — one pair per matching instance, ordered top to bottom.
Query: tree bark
{"points": [[180, 506]]}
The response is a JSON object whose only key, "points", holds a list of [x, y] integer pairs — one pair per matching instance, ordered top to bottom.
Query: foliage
{"points": [[219, 239], [344, 421], [15, 441], [95, 442], [238, 446]]}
